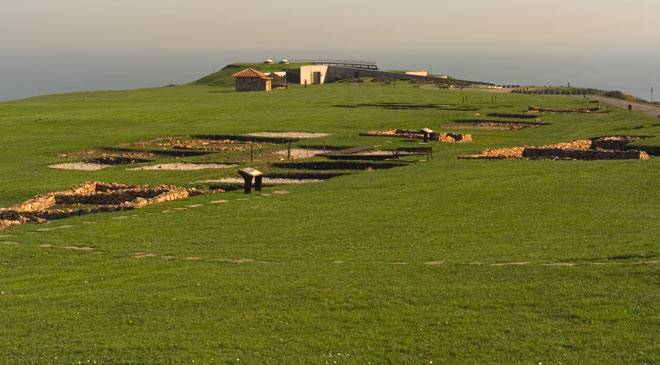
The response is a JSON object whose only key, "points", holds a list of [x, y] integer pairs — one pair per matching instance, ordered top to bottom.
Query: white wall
{"points": [[306, 73], [418, 73]]}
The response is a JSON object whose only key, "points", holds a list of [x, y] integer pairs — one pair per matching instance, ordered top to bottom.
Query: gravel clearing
{"points": [[301, 135], [299, 153], [79, 166], [183, 167]]}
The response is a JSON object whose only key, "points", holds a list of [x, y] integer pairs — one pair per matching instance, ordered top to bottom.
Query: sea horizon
{"points": [[24, 75]]}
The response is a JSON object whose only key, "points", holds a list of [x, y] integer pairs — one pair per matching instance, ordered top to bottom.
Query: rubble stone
{"points": [[604, 148], [100, 198]]}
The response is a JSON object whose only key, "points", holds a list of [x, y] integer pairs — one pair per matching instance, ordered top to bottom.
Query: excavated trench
{"points": [[408, 106], [598, 110], [511, 115], [494, 124], [418, 134], [229, 138], [234, 142], [623, 143], [188, 144], [174, 148], [601, 148], [146, 153], [367, 155], [116, 156], [117, 160], [99, 163], [338, 165], [305, 175], [273, 179], [91, 198]]}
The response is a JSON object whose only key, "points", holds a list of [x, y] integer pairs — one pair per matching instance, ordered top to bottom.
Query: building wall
{"points": [[307, 73], [331, 73], [339, 73], [418, 73], [278, 82], [252, 84]]}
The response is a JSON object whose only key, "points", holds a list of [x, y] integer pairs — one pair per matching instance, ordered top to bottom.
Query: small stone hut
{"points": [[252, 80], [278, 81]]}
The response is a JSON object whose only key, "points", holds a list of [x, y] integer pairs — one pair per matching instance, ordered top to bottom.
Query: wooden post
{"points": [[251, 152], [257, 183], [247, 184]]}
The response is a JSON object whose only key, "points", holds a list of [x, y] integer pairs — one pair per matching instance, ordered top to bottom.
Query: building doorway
{"points": [[316, 78]]}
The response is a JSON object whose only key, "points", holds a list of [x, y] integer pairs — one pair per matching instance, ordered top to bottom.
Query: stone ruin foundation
{"points": [[408, 106], [535, 109], [511, 115], [494, 124], [414, 134], [454, 138], [197, 144], [602, 148], [90, 198]]}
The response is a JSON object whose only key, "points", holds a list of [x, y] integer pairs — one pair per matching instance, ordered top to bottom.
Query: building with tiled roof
{"points": [[252, 80]]}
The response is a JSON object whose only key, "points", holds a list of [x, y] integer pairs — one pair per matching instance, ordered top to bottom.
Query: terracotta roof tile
{"points": [[251, 73]]}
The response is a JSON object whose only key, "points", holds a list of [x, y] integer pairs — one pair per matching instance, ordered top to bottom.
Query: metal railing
{"points": [[345, 63]]}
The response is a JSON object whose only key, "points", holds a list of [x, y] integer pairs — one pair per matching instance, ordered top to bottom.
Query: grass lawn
{"points": [[445, 261]]}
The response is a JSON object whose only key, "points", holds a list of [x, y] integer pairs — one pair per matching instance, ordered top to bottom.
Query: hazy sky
{"points": [[386, 31]]}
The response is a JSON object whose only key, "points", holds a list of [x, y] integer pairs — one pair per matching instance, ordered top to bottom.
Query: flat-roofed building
{"points": [[418, 73], [313, 74]]}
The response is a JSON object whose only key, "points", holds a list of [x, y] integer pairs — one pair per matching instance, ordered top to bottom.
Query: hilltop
{"points": [[222, 78], [568, 90]]}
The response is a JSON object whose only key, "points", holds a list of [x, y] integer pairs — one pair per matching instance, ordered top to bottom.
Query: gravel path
{"points": [[651, 110]]}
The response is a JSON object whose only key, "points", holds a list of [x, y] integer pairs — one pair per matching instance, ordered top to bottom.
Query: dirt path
{"points": [[651, 110]]}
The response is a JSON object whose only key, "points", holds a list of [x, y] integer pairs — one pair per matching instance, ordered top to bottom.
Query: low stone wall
{"points": [[243, 84], [548, 92], [407, 133], [454, 138], [613, 142], [583, 149], [512, 153], [575, 154], [104, 198], [40, 203]]}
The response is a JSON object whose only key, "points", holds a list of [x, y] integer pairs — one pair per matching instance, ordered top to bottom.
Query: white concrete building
{"points": [[278, 73], [418, 73], [313, 74]]}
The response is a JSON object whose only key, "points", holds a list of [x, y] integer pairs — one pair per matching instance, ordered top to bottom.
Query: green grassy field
{"points": [[445, 261]]}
